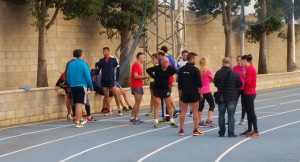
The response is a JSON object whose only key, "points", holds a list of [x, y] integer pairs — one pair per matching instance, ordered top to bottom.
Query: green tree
{"points": [[216, 7], [289, 9], [40, 10], [269, 14], [121, 18]]}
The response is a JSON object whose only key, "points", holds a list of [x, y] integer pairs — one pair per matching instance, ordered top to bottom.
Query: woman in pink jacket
{"points": [[240, 70]]}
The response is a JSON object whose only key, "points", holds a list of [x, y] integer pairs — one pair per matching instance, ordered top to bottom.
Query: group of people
{"points": [[193, 87]]}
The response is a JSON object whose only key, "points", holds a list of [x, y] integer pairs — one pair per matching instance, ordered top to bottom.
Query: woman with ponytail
{"points": [[206, 78], [249, 96]]}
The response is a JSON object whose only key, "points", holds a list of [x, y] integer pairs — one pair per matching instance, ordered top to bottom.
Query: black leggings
{"points": [[241, 93], [209, 98], [251, 116]]}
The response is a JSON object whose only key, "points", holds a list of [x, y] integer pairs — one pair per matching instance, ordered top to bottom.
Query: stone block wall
{"points": [[19, 44]]}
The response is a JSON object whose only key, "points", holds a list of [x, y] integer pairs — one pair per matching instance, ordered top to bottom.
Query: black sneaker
{"points": [[175, 114], [164, 120], [174, 125]]}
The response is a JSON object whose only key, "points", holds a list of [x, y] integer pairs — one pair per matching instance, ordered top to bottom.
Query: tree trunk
{"points": [[227, 23], [124, 59], [262, 62], [290, 62], [42, 77]]}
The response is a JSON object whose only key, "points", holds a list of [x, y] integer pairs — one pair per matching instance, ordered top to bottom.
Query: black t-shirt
{"points": [[161, 78], [189, 79]]}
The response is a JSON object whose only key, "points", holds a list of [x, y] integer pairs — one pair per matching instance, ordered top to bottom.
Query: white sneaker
{"points": [[120, 112]]}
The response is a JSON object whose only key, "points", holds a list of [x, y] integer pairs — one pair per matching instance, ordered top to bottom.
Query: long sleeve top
{"points": [[250, 80]]}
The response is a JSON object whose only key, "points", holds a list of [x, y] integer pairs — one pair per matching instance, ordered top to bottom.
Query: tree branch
{"points": [[49, 4], [224, 15], [53, 18]]}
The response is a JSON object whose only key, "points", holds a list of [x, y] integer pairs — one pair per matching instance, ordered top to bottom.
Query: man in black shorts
{"points": [[107, 65], [161, 76], [96, 78], [78, 79], [189, 85]]}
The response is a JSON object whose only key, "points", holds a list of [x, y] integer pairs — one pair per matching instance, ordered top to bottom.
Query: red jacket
{"points": [[250, 80]]}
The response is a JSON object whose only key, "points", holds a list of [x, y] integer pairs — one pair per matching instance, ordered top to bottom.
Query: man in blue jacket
{"points": [[107, 66], [79, 79]]}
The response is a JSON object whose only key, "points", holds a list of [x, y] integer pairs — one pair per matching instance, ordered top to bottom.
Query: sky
{"points": [[248, 10]]}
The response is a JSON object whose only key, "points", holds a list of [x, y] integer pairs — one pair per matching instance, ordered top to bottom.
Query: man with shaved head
{"points": [[161, 76], [228, 83]]}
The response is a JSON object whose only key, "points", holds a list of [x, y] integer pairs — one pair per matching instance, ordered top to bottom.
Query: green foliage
{"points": [[213, 7], [70, 8], [81, 8], [278, 11], [124, 14], [269, 26]]}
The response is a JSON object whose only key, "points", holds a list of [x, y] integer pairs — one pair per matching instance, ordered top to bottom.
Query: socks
{"points": [[156, 120], [172, 120]]}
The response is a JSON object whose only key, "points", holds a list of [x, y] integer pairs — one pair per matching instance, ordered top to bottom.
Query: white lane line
{"points": [[296, 89], [278, 97], [123, 116], [109, 119], [44, 130], [60, 139], [49, 142], [239, 143], [158, 150]]}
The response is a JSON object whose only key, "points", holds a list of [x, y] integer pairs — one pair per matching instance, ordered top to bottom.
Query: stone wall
{"points": [[18, 44], [40, 104]]}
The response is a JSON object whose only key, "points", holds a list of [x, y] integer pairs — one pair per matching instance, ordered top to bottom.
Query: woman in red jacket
{"points": [[250, 94]]}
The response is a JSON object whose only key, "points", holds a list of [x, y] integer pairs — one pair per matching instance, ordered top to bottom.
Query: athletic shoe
{"points": [[130, 108], [126, 109], [120, 112], [149, 113], [108, 114], [175, 114], [191, 114], [69, 117], [74, 119], [91, 120], [164, 120], [83, 121], [131, 121], [139, 121], [242, 122], [202, 124], [209, 124], [79, 125], [156, 125], [174, 125], [180, 133], [197, 133], [246, 133], [253, 135], [231, 136]]}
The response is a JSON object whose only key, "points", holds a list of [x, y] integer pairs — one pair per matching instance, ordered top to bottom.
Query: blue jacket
{"points": [[171, 60], [107, 70], [78, 74]]}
